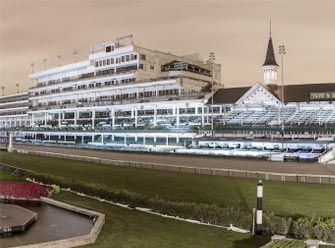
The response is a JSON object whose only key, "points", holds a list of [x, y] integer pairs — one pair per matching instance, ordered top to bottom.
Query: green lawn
{"points": [[6, 175], [282, 198], [131, 228], [291, 244]]}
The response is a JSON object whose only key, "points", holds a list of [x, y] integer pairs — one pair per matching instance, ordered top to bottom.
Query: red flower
{"points": [[23, 190]]}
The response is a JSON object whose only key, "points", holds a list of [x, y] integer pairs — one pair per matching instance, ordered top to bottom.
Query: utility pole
{"points": [[212, 60]]}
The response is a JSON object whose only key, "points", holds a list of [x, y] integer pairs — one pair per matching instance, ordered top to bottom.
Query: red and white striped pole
{"points": [[259, 209]]}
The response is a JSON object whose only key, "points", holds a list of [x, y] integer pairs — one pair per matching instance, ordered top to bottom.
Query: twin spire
{"points": [[270, 58]]}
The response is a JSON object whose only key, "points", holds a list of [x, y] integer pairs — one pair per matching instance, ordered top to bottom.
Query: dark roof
{"points": [[270, 58], [303, 92], [292, 93], [228, 95]]}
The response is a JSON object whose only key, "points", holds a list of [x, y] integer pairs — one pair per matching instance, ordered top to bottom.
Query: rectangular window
{"points": [[108, 49], [127, 57], [143, 57], [123, 58], [112, 60], [116, 60], [108, 61], [104, 62], [100, 63], [96, 64], [141, 66], [152, 67], [91, 85]]}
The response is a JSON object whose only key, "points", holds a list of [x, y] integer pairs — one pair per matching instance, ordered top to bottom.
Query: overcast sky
{"points": [[237, 31]]}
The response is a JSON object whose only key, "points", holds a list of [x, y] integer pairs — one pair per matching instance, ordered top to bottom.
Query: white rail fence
{"points": [[274, 176]]}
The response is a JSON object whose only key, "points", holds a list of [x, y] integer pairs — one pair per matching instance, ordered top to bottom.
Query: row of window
{"points": [[116, 60], [86, 86], [117, 97], [13, 113]]}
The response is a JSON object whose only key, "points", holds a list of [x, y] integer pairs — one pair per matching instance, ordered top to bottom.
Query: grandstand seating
{"points": [[270, 115]]}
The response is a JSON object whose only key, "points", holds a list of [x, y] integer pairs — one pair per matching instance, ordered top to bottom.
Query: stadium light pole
{"points": [[282, 51], [74, 53], [59, 57], [212, 60], [45, 63], [32, 64], [17, 88]]}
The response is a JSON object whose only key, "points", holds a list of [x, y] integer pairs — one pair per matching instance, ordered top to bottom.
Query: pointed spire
{"points": [[270, 58]]}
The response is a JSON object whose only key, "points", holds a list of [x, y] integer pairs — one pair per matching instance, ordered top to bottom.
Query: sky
{"points": [[237, 31]]}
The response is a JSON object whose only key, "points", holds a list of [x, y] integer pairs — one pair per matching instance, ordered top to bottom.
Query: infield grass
{"points": [[283, 198]]}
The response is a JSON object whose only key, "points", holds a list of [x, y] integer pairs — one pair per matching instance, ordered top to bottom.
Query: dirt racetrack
{"points": [[196, 161]]}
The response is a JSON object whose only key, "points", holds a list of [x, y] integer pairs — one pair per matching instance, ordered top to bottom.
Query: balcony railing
{"points": [[87, 77], [121, 101]]}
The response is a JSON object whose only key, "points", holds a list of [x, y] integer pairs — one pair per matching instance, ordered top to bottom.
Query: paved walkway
{"points": [[196, 161]]}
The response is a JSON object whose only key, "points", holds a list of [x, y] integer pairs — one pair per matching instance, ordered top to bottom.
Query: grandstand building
{"points": [[125, 95], [301, 108], [13, 111]]}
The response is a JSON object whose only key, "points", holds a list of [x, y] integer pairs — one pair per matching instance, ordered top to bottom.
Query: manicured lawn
{"points": [[7, 175], [282, 198], [131, 228], [287, 244], [291, 244]]}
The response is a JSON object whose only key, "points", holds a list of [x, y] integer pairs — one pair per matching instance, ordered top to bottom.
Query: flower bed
{"points": [[23, 190]]}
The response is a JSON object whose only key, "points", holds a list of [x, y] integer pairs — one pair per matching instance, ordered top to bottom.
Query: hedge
{"points": [[300, 227]]}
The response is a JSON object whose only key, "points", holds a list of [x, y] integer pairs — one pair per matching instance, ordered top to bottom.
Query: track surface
{"points": [[196, 161]]}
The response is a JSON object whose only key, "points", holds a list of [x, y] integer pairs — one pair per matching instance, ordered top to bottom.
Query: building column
{"points": [[202, 115], [155, 116], [177, 116], [75, 117], [135, 117], [59, 118], [93, 118], [113, 118], [32, 119], [45, 119]]}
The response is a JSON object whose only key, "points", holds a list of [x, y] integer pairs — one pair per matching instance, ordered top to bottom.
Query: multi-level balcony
{"points": [[99, 74], [117, 101]]}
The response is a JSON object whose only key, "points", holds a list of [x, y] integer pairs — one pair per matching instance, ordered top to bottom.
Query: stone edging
{"points": [[75, 241]]}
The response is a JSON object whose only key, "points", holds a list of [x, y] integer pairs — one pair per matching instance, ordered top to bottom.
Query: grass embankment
{"points": [[8, 176], [287, 199], [131, 228], [292, 244]]}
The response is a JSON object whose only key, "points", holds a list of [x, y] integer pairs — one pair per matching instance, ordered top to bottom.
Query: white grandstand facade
{"points": [[125, 95]]}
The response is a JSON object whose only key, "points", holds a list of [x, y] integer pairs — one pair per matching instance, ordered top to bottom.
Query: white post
{"points": [[10, 142], [259, 209]]}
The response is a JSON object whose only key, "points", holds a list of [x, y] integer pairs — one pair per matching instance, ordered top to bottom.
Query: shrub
{"points": [[300, 227]]}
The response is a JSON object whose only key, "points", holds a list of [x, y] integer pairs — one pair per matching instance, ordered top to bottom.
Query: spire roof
{"points": [[270, 58]]}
